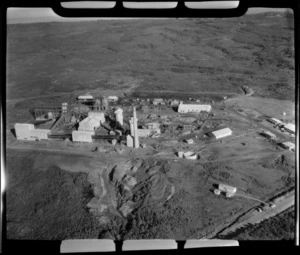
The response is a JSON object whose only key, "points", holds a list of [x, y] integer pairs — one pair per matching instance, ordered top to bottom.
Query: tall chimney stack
{"points": [[135, 130]]}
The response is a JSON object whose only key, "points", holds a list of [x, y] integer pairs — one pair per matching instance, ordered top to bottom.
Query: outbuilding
{"points": [[85, 97], [112, 98], [275, 121], [290, 128], [222, 133], [269, 134], [288, 145], [226, 188]]}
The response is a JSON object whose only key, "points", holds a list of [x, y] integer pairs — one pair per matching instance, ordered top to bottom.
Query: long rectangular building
{"points": [[185, 108], [222, 133]]}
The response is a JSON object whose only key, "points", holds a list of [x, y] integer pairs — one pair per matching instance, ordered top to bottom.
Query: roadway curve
{"points": [[281, 205]]}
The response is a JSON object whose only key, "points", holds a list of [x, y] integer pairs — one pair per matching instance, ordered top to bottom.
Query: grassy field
{"points": [[190, 55]]}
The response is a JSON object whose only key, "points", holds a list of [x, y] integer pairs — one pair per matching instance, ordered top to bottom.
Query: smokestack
{"points": [[131, 127], [135, 131]]}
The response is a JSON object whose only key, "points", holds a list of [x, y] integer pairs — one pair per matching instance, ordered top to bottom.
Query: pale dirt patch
{"points": [[267, 106]]}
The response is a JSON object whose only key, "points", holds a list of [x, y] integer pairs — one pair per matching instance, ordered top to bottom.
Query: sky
{"points": [[32, 15]]}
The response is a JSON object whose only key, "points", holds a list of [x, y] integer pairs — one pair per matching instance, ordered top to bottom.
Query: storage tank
{"points": [[217, 192]]}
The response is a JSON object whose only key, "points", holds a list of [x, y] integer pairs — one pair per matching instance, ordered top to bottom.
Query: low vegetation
{"points": [[47, 204], [280, 227]]}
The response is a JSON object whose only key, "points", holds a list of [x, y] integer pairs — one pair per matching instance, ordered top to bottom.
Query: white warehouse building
{"points": [[185, 108], [93, 121], [290, 128], [26, 131], [222, 133], [288, 145]]}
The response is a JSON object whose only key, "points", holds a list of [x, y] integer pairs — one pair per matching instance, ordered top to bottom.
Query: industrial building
{"points": [[185, 108], [275, 121], [92, 122], [290, 128], [28, 132], [222, 133], [269, 135], [288, 145]]}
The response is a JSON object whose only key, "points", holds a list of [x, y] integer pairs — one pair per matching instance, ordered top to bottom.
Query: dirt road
{"points": [[281, 205]]}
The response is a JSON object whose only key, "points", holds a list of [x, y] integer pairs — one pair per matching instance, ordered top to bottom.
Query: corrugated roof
{"points": [[290, 127]]}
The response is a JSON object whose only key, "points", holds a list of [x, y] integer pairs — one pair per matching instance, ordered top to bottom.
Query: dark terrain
{"points": [[190, 55]]}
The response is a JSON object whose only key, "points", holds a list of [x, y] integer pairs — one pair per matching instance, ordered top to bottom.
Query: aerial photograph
{"points": [[152, 128]]}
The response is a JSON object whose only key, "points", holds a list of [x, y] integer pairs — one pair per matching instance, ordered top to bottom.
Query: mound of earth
{"points": [[129, 187]]}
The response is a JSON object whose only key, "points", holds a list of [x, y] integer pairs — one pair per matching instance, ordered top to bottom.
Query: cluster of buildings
{"points": [[284, 127], [224, 188]]}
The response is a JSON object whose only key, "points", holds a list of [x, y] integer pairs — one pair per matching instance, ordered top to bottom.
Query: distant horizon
{"points": [[45, 15]]}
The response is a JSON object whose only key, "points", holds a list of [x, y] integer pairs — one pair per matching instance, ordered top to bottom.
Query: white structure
{"points": [[85, 97], [112, 98], [158, 101], [185, 108], [119, 116], [275, 121], [92, 122], [131, 126], [290, 128], [135, 130], [28, 132], [222, 133], [269, 134], [82, 136], [129, 141], [189, 141], [288, 145], [180, 154], [190, 155], [227, 188], [217, 192], [229, 194]]}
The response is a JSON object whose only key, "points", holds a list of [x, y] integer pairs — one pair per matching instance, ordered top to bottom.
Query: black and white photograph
{"points": [[150, 128]]}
